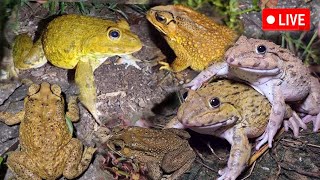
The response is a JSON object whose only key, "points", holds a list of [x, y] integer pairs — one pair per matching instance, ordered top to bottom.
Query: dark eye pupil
{"points": [[160, 18], [114, 34], [261, 49], [185, 95], [215, 102], [117, 147]]}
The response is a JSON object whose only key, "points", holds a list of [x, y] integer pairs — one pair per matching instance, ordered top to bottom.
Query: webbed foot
{"points": [[128, 60], [314, 119], [294, 123]]}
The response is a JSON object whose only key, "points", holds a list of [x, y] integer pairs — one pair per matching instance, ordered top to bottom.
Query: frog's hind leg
{"points": [[27, 55], [84, 79], [78, 159], [173, 160], [22, 166]]}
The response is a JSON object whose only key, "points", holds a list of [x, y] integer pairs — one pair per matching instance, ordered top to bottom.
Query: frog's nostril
{"points": [[230, 60]]}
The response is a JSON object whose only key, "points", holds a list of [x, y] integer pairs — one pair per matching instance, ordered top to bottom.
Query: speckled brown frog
{"points": [[196, 40], [229, 110], [47, 147], [163, 151]]}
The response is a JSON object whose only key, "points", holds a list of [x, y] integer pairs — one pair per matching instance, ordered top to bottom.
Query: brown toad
{"points": [[196, 40], [47, 147], [165, 150]]}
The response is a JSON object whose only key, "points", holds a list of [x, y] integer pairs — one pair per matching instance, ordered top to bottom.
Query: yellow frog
{"points": [[196, 40], [81, 42], [229, 110], [47, 147], [165, 150]]}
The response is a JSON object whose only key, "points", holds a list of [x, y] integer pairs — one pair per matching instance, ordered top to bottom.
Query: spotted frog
{"points": [[196, 40], [80, 42], [276, 73], [229, 110], [47, 147], [165, 150]]}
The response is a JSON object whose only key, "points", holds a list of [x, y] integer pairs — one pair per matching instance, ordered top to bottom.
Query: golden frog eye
{"points": [[160, 18], [114, 34], [261, 49], [33, 89], [55, 89], [214, 102]]}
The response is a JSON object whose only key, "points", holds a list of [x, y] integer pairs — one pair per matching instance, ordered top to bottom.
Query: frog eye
{"points": [[160, 18], [114, 34], [261, 49], [34, 88], [56, 89], [185, 95], [214, 102]]}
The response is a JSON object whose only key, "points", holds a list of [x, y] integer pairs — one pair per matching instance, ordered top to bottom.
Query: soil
{"points": [[126, 95]]}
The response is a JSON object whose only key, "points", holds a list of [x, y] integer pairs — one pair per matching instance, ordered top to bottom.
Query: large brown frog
{"points": [[196, 40], [229, 110], [47, 147], [165, 150]]}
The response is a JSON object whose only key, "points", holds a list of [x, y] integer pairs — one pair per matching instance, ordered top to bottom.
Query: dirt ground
{"points": [[126, 95]]}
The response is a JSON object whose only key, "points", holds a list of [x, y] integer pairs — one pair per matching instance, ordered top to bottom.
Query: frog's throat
{"points": [[268, 72]]}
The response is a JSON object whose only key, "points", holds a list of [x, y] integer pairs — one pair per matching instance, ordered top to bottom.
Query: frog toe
{"points": [[165, 66]]}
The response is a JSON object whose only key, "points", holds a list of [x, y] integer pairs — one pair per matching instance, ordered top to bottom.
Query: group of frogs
{"points": [[228, 109]]}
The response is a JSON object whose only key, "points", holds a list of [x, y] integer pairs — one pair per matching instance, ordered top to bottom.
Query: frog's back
{"points": [[65, 37], [253, 107], [44, 130]]}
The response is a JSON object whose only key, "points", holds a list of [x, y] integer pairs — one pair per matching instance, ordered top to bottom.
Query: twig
{"points": [[300, 143], [262, 150], [212, 151], [202, 162], [208, 167], [251, 170], [310, 174]]}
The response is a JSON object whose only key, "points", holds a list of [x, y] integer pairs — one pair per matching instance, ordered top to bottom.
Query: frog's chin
{"points": [[267, 72]]}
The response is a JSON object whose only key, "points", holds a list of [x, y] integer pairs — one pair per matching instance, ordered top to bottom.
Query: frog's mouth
{"points": [[267, 72], [212, 128]]}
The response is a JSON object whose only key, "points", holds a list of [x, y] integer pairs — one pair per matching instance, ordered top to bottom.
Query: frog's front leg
{"points": [[129, 60], [217, 69], [84, 78], [73, 109], [276, 117], [11, 118], [239, 153], [78, 159], [178, 161], [22, 166]]}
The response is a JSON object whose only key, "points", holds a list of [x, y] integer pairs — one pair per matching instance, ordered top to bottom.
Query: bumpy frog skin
{"points": [[196, 40], [81, 42], [275, 73], [229, 110], [47, 147], [165, 150]]}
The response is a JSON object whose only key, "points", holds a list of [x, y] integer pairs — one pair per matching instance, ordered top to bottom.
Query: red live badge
{"points": [[286, 19]]}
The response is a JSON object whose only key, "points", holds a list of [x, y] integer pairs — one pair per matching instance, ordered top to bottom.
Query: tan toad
{"points": [[47, 147], [165, 150]]}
